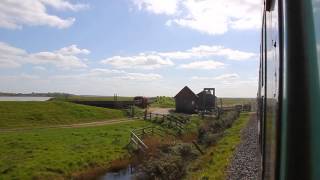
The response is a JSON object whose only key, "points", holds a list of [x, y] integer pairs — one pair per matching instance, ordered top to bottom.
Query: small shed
{"points": [[207, 99], [186, 101]]}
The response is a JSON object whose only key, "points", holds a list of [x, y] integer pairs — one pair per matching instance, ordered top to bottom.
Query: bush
{"points": [[210, 131], [169, 163], [166, 167]]}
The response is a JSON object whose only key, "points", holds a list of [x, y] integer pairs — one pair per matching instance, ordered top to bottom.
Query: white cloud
{"points": [[168, 7], [16, 13], [208, 16], [72, 50], [204, 51], [10, 57], [65, 58], [59, 60], [153, 60], [141, 61], [205, 65], [111, 74], [141, 76], [223, 77], [227, 77]]}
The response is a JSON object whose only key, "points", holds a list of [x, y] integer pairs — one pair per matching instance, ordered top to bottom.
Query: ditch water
{"points": [[123, 174]]}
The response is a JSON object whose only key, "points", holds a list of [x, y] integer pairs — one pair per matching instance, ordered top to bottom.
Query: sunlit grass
{"points": [[35, 114], [58, 153], [213, 163]]}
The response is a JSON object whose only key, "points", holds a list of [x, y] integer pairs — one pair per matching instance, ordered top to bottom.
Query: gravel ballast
{"points": [[246, 161]]}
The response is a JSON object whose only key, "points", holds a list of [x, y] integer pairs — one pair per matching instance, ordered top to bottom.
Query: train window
{"points": [[270, 5], [316, 17]]}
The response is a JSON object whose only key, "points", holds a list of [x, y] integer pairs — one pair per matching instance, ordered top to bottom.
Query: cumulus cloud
{"points": [[168, 7], [16, 13], [207, 16], [72, 50], [204, 51], [10, 57], [67, 57], [153, 60], [142, 61], [205, 65], [109, 74]]}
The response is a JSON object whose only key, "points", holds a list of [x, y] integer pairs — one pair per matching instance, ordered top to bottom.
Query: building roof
{"points": [[186, 90], [204, 92]]}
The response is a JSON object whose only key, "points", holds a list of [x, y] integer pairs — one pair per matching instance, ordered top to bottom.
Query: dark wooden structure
{"points": [[206, 99], [186, 101], [189, 102], [107, 104]]}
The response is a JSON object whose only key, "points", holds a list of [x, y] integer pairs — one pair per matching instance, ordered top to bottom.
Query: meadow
{"points": [[235, 101], [36, 114], [61, 153]]}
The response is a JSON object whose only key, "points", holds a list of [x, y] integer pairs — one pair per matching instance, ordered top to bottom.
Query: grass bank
{"points": [[163, 102], [35, 114], [58, 153], [213, 163]]}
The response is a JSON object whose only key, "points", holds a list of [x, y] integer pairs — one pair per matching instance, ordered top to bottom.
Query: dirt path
{"points": [[160, 110], [78, 125]]}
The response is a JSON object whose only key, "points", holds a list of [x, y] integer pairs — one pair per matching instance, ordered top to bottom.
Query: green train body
{"points": [[289, 90]]}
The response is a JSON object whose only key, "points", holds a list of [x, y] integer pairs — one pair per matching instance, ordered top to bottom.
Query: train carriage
{"points": [[289, 91]]}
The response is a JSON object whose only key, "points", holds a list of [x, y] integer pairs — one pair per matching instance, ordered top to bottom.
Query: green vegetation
{"points": [[91, 98], [234, 101], [163, 102], [35, 114], [59, 153], [213, 163]]}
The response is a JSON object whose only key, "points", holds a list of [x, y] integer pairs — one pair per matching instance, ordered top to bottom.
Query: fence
{"points": [[177, 121], [136, 135]]}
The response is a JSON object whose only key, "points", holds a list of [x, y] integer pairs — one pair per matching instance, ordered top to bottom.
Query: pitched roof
{"points": [[186, 89]]}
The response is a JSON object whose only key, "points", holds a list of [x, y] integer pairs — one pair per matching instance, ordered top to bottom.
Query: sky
{"points": [[130, 47]]}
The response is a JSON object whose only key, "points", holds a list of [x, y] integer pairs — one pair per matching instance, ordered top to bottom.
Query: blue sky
{"points": [[129, 47]]}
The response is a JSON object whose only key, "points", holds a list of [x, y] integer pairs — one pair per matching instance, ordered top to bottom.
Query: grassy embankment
{"points": [[92, 98], [163, 102], [36, 114], [59, 153], [213, 163]]}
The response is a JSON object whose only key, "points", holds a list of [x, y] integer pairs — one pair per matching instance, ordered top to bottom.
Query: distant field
{"points": [[93, 98], [234, 101], [163, 102], [34, 114], [58, 153]]}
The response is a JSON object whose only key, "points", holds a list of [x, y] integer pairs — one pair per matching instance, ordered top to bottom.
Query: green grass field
{"points": [[234, 101], [35, 114], [58, 153], [212, 165]]}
